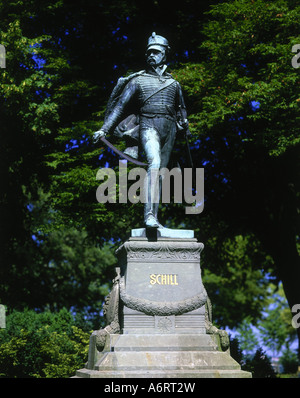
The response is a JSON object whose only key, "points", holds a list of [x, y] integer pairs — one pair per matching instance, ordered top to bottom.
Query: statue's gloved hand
{"points": [[97, 135]]}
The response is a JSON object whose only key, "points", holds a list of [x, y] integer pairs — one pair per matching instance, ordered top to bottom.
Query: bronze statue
{"points": [[159, 113]]}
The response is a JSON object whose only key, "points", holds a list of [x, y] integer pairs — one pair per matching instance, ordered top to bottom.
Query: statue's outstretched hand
{"points": [[97, 135]]}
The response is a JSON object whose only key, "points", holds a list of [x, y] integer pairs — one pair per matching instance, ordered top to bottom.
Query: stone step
{"points": [[169, 342], [166, 360], [164, 374]]}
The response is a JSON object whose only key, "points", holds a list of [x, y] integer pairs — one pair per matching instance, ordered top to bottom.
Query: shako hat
{"points": [[156, 42]]}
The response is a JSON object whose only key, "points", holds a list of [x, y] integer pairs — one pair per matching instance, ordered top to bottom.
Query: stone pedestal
{"points": [[161, 287], [158, 306]]}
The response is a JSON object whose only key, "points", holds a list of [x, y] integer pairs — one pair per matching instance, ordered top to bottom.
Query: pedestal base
{"points": [[160, 307], [163, 356]]}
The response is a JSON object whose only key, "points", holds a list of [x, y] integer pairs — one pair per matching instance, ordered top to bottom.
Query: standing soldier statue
{"points": [[158, 113]]}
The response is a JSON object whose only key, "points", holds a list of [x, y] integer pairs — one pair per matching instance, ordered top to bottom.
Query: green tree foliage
{"points": [[27, 119], [74, 273], [233, 274], [275, 326], [246, 336], [47, 345], [289, 361], [260, 366]]}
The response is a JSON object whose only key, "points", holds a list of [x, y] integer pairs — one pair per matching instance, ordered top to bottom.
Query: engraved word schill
{"points": [[164, 279]]}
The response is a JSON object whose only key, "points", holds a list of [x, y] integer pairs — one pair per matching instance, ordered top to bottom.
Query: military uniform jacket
{"points": [[142, 93]]}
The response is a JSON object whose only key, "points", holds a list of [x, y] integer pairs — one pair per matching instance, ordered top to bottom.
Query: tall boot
{"points": [[152, 203]]}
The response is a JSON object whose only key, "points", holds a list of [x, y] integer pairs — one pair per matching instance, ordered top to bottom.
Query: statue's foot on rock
{"points": [[151, 222]]}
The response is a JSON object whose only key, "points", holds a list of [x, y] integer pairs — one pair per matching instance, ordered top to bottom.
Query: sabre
{"points": [[120, 153]]}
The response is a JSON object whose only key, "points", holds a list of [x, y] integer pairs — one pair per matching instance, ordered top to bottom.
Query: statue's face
{"points": [[155, 57]]}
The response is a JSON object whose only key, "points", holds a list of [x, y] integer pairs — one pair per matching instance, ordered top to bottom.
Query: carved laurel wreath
{"points": [[149, 307]]}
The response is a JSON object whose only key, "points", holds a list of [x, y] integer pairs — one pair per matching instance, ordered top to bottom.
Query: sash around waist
{"points": [[158, 109]]}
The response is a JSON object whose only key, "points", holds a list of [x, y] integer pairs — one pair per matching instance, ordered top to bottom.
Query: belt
{"points": [[155, 109]]}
